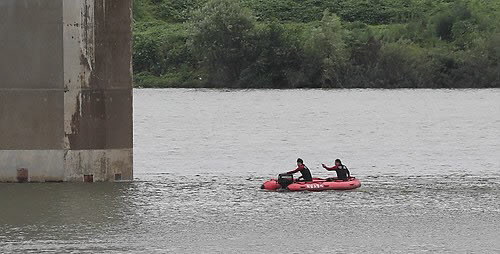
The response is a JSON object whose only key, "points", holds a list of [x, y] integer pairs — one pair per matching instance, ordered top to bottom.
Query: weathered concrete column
{"points": [[65, 90]]}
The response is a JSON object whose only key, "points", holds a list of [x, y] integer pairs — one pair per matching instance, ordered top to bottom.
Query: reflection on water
{"points": [[428, 165]]}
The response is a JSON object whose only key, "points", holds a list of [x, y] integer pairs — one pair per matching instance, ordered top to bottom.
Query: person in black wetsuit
{"points": [[342, 171], [306, 174]]}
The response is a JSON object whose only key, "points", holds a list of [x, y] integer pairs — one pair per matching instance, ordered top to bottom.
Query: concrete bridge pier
{"points": [[65, 90]]}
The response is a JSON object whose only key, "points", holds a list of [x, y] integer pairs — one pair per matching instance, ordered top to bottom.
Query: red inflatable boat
{"points": [[288, 183]]}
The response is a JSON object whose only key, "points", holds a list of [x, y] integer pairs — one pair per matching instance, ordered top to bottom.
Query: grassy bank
{"points": [[317, 43]]}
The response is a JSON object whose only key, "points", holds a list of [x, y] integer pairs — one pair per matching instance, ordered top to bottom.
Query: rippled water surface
{"points": [[429, 162]]}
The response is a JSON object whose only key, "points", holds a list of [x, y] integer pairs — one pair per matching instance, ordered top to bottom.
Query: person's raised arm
{"points": [[329, 168]]}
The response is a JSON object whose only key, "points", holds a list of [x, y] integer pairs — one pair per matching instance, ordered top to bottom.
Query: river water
{"points": [[429, 162]]}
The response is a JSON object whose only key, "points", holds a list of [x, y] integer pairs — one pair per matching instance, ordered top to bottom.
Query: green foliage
{"points": [[141, 10], [176, 10], [289, 10], [367, 11], [373, 11], [453, 21], [222, 34], [317, 43], [160, 46], [161, 49], [325, 53], [278, 58], [404, 65], [478, 67], [181, 79]]}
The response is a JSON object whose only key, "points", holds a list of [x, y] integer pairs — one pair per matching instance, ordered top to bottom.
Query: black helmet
{"points": [[300, 160], [338, 160]]}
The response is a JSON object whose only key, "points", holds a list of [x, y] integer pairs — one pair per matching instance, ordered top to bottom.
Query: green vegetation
{"points": [[317, 43]]}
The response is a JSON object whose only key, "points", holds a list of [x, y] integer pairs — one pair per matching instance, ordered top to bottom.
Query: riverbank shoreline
{"points": [[325, 44]]}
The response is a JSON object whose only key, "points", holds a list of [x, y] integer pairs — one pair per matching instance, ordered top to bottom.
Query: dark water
{"points": [[429, 162]]}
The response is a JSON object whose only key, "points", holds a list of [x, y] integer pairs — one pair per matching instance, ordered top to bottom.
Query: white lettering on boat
{"points": [[314, 186]]}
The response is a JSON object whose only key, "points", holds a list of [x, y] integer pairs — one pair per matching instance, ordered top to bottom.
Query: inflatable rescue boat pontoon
{"points": [[286, 182]]}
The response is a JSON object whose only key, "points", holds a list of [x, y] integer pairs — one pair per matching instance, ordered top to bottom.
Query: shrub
{"points": [[222, 38], [159, 48], [325, 53], [278, 55], [403, 65]]}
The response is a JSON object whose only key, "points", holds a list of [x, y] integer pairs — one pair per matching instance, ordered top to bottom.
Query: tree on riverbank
{"points": [[320, 43]]}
